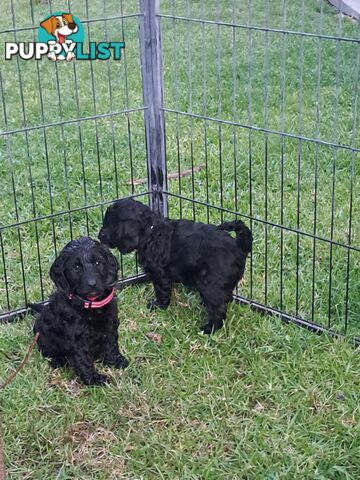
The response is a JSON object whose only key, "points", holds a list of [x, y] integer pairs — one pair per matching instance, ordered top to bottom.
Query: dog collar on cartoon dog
{"points": [[91, 303]]}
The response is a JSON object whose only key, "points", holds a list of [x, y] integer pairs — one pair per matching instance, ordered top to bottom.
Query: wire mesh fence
{"points": [[263, 95], [256, 101], [72, 140]]}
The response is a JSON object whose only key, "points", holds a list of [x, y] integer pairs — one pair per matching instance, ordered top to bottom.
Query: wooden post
{"points": [[152, 83]]}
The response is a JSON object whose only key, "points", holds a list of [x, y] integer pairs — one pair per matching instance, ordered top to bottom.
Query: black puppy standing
{"points": [[201, 256], [80, 322]]}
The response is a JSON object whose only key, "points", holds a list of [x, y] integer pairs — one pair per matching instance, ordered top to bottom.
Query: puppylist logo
{"points": [[61, 37]]}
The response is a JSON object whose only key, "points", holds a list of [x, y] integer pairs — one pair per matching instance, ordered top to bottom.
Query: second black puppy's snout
{"points": [[102, 236], [105, 239]]}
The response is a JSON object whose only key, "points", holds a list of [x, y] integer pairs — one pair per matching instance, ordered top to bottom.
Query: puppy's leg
{"points": [[162, 287], [216, 311], [216, 317], [112, 356], [58, 362], [84, 368]]}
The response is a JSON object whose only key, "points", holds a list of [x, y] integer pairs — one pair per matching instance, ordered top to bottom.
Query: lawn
{"points": [[260, 399]]}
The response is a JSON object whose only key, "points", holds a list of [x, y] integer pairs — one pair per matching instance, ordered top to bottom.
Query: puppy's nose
{"points": [[72, 26], [91, 282]]}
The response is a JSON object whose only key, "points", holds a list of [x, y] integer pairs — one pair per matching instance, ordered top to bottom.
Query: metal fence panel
{"points": [[260, 102], [71, 141]]}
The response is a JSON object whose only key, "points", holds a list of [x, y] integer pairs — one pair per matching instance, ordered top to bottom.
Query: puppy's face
{"points": [[61, 26], [64, 27], [123, 223], [85, 268]]}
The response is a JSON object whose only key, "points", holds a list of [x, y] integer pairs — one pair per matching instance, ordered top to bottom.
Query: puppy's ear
{"points": [[68, 17], [49, 25], [143, 211], [149, 215], [112, 265], [57, 274]]}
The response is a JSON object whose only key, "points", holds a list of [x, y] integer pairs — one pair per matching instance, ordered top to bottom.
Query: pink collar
{"points": [[90, 301]]}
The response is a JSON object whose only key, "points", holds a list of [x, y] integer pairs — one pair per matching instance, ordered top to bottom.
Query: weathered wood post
{"points": [[152, 83]]}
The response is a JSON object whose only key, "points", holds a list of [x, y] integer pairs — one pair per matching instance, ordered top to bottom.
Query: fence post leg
{"points": [[152, 85]]}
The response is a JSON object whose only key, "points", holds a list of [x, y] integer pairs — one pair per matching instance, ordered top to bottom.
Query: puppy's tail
{"points": [[243, 234], [36, 307]]}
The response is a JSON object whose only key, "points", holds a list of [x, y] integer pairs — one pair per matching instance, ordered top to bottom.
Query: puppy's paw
{"points": [[153, 305], [208, 328], [120, 362], [57, 363], [96, 380]]}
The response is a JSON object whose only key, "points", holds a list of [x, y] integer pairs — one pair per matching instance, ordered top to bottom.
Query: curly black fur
{"points": [[201, 256], [69, 333]]}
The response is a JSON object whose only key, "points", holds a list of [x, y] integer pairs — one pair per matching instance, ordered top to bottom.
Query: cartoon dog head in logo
{"points": [[60, 26]]}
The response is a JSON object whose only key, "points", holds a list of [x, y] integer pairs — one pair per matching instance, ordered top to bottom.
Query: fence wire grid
{"points": [[256, 101]]}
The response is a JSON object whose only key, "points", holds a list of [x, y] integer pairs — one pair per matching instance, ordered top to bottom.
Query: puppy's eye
{"points": [[96, 262], [77, 266]]}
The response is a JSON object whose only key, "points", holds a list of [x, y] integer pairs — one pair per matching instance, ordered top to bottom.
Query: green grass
{"points": [[259, 400]]}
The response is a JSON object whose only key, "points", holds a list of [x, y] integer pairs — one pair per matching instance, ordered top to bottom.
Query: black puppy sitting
{"points": [[201, 256], [80, 322]]}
